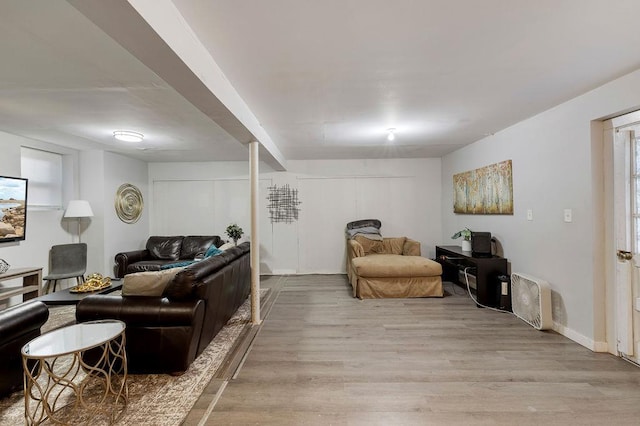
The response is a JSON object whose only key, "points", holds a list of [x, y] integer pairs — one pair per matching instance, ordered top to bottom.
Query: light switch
{"points": [[529, 214], [568, 215]]}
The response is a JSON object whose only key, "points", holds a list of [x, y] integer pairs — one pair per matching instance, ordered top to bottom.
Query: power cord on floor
{"points": [[466, 278]]}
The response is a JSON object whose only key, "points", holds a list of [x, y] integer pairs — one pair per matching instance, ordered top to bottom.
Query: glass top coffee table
{"points": [[76, 374]]}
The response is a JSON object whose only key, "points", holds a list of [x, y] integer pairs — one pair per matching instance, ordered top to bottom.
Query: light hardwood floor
{"points": [[322, 357]]}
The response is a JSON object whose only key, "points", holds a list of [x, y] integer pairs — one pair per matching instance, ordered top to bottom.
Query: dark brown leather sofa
{"points": [[163, 250], [18, 325], [165, 334]]}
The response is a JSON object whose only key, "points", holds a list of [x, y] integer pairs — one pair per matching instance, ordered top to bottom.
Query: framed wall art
{"points": [[487, 190]]}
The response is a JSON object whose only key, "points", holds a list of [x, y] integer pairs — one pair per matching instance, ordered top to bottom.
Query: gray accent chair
{"points": [[66, 261]]}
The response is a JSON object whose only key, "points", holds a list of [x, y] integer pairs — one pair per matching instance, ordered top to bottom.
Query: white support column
{"points": [[255, 233]]}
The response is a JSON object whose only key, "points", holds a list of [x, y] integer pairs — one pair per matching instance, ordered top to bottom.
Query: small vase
{"points": [[466, 245]]}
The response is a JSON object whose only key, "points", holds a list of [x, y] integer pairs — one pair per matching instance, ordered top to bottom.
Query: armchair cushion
{"points": [[393, 245], [369, 246], [411, 248], [391, 265]]}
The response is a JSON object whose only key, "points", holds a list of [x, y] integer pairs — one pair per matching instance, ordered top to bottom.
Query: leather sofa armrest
{"points": [[411, 248], [125, 259], [139, 310], [22, 319], [18, 325], [162, 336]]}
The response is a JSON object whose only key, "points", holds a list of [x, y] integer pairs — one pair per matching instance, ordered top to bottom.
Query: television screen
{"points": [[13, 208]]}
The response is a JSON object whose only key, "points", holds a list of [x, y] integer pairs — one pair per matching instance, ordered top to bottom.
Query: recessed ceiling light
{"points": [[391, 135], [128, 136]]}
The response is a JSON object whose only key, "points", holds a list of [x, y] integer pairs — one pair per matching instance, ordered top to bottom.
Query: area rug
{"points": [[154, 399]]}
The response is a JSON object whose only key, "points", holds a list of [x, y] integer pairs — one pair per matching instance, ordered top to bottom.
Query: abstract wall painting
{"points": [[487, 190], [283, 204]]}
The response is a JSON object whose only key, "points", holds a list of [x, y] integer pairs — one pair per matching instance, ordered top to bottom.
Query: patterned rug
{"points": [[154, 399]]}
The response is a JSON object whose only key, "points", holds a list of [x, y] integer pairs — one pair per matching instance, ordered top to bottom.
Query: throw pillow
{"points": [[226, 246], [212, 251], [150, 283]]}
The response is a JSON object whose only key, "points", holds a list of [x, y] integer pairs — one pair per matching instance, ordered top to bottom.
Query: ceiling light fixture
{"points": [[391, 134], [128, 136]]}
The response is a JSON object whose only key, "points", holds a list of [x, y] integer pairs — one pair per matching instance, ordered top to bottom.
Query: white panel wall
{"points": [[557, 165], [404, 194], [328, 205], [183, 207], [207, 207], [44, 228], [117, 235]]}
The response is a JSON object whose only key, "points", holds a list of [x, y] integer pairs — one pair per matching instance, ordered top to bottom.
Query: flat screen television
{"points": [[13, 208]]}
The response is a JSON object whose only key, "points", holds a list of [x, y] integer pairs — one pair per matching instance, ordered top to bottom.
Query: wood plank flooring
{"points": [[322, 357]]}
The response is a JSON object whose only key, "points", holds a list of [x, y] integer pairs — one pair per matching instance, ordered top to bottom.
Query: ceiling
{"points": [[324, 79]]}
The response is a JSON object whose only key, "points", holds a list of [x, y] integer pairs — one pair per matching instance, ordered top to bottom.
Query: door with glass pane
{"points": [[627, 228]]}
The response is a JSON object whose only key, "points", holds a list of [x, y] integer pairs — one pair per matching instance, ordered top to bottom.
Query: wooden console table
{"points": [[486, 270], [31, 283]]}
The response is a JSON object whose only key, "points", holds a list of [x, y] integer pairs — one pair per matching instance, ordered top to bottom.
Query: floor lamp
{"points": [[77, 209]]}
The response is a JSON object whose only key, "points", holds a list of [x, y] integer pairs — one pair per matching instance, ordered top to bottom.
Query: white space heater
{"points": [[531, 300]]}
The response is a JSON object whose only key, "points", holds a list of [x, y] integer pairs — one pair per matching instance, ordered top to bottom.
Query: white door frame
{"points": [[619, 327]]}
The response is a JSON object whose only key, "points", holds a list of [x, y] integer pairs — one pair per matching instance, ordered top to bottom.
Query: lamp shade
{"points": [[78, 208]]}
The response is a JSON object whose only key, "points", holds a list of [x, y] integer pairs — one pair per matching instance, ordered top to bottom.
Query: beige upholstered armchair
{"points": [[389, 267]]}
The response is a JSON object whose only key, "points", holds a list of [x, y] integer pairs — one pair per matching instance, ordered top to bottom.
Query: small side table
{"points": [[31, 283], [79, 367]]}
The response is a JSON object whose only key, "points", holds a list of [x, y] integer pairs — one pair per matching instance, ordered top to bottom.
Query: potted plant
{"points": [[234, 232], [466, 238]]}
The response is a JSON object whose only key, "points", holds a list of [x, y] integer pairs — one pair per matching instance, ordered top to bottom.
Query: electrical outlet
{"points": [[529, 214], [568, 215]]}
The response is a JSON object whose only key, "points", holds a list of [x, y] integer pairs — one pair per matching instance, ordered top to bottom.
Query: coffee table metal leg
{"points": [[55, 389]]}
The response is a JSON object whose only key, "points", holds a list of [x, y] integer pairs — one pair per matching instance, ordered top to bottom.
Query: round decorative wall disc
{"points": [[129, 203]]}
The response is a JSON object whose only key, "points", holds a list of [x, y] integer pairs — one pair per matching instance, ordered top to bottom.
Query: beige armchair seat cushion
{"points": [[392, 265]]}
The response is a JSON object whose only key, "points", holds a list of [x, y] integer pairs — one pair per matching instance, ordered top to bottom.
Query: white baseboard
{"points": [[282, 272], [580, 339]]}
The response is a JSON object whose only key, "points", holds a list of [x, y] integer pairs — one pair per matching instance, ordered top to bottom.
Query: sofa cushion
{"points": [[193, 245], [165, 248], [147, 265], [148, 283]]}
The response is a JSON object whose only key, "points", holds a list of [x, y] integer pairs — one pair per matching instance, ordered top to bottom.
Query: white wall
{"points": [[557, 165], [102, 174], [403, 194], [44, 228]]}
